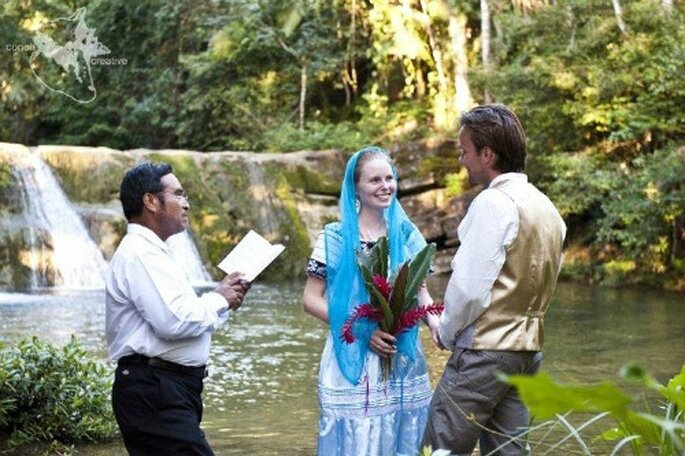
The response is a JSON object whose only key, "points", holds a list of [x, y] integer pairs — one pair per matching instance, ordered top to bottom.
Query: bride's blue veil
{"points": [[344, 283]]}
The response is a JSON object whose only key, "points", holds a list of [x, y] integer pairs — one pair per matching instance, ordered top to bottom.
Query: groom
{"points": [[503, 277]]}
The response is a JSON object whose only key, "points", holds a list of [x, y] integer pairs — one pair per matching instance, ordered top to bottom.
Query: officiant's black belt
{"points": [[142, 360]]}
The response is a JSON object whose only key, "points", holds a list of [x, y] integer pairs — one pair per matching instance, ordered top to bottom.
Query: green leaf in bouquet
{"points": [[381, 253], [364, 260], [376, 260], [365, 266], [418, 269], [367, 270], [397, 297], [388, 320]]}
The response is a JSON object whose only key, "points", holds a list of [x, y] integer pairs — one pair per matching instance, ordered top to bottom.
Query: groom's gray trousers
{"points": [[471, 404]]}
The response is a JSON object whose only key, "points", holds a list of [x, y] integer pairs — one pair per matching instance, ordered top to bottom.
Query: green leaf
{"points": [[381, 252], [364, 260], [372, 264], [418, 269], [367, 274], [397, 303], [388, 320], [674, 392], [545, 398], [652, 429]]}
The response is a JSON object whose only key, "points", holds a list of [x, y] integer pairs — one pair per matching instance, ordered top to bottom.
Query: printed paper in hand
{"points": [[251, 256]]}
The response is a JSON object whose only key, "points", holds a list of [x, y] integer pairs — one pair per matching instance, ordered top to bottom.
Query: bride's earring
{"points": [[357, 205]]}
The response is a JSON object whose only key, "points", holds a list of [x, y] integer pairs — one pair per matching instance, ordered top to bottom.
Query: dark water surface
{"points": [[260, 397]]}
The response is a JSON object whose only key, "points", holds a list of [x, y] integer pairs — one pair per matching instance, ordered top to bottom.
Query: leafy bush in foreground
{"points": [[53, 394], [644, 432]]}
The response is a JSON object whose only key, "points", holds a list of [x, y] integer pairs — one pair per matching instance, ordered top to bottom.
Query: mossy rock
{"points": [[425, 163], [312, 172], [88, 175], [10, 190], [223, 191], [292, 229], [15, 272]]}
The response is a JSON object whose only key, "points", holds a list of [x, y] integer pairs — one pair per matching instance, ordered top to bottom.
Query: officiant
{"points": [[158, 329]]}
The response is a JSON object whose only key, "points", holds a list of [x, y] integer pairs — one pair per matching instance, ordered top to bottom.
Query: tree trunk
{"points": [[619, 17], [485, 44], [303, 79], [420, 80], [350, 82], [303, 93], [462, 93], [442, 116]]}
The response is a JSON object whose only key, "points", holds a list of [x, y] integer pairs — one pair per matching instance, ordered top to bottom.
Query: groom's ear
{"points": [[489, 156]]}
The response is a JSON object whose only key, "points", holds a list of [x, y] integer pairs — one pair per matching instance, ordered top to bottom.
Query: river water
{"points": [[260, 397]]}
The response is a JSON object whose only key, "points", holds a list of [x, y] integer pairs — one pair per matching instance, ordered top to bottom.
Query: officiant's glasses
{"points": [[179, 194]]}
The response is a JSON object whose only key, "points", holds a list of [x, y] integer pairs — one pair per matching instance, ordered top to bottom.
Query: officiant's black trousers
{"points": [[159, 410]]}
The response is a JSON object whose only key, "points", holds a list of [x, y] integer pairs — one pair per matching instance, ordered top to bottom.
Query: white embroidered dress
{"points": [[375, 417]]}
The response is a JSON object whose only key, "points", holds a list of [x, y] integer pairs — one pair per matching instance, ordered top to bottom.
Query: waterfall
{"points": [[265, 206], [52, 220], [31, 237], [61, 249], [185, 253]]}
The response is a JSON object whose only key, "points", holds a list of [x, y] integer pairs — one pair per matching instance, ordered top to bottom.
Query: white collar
{"points": [[505, 177], [149, 235]]}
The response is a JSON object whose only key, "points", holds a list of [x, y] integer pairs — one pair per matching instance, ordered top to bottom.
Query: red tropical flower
{"points": [[382, 285], [393, 302], [368, 311], [412, 316], [407, 320]]}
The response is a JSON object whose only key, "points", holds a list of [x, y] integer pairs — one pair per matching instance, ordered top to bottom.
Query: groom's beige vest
{"points": [[522, 291]]}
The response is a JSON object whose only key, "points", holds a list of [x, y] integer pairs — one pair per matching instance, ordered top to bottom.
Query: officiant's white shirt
{"points": [[151, 306]]}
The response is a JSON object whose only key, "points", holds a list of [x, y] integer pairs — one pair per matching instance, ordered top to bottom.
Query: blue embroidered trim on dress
{"points": [[381, 399]]}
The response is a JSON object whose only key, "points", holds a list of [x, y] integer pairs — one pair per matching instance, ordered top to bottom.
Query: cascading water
{"points": [[268, 224], [34, 249], [62, 253], [185, 253], [76, 260]]}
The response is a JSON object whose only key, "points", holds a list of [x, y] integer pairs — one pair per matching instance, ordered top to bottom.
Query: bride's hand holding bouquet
{"points": [[394, 302]]}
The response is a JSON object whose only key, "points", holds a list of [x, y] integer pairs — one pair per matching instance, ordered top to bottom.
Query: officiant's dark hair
{"points": [[139, 180]]}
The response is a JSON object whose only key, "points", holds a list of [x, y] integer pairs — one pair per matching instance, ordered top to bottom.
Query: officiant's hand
{"points": [[233, 288], [383, 343]]}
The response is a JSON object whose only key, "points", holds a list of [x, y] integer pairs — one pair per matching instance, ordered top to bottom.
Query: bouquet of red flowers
{"points": [[394, 300]]}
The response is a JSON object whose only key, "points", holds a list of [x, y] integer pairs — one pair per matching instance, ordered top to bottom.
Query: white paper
{"points": [[251, 256]]}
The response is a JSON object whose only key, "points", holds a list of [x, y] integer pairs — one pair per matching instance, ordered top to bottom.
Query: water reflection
{"points": [[54, 317], [261, 394], [260, 397]]}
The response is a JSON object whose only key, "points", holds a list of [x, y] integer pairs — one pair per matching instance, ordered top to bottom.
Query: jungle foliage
{"points": [[599, 90], [617, 420]]}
